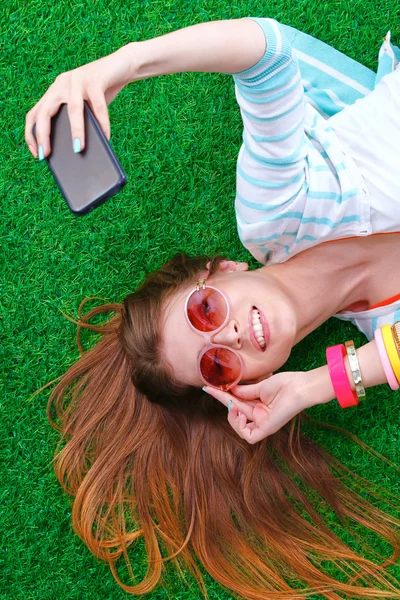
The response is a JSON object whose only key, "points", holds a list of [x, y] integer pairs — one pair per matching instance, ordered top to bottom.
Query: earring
{"points": [[200, 283]]}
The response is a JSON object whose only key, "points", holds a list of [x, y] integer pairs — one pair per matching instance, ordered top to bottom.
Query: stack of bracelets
{"points": [[388, 345]]}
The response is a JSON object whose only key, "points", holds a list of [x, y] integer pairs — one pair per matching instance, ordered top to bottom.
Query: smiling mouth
{"points": [[258, 329]]}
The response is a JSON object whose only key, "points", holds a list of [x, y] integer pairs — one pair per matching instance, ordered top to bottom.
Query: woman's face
{"points": [[245, 290]]}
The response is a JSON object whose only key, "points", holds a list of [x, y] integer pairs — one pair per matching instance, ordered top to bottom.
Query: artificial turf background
{"points": [[177, 138]]}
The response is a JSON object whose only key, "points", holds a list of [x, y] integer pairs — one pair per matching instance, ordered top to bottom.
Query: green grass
{"points": [[177, 138]]}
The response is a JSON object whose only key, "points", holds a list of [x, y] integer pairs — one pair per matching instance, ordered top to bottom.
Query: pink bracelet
{"points": [[335, 359], [387, 367]]}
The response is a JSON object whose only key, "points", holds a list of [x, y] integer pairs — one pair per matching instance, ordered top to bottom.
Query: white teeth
{"points": [[257, 327]]}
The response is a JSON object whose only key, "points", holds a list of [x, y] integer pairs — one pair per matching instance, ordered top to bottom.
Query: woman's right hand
{"points": [[98, 82], [261, 409]]}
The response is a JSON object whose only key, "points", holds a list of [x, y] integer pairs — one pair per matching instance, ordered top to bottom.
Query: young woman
{"points": [[149, 452]]}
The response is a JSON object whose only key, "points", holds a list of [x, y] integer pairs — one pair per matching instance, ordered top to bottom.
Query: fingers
{"points": [[97, 82], [66, 89], [40, 116], [76, 120], [43, 124], [29, 137], [247, 392], [224, 397], [244, 407], [239, 415], [236, 419], [241, 423], [248, 431], [254, 436]]}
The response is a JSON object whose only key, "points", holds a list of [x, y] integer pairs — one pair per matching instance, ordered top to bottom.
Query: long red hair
{"points": [[145, 458]]}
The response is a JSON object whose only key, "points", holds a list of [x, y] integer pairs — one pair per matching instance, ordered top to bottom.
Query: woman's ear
{"points": [[229, 266]]}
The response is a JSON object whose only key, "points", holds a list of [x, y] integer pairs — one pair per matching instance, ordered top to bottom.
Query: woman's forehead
{"points": [[180, 344]]}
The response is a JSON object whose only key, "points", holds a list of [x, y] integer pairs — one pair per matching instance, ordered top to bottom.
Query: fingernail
{"points": [[77, 145], [41, 153], [204, 389], [229, 405]]}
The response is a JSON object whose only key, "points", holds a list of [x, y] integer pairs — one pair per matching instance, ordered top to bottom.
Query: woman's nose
{"points": [[229, 335]]}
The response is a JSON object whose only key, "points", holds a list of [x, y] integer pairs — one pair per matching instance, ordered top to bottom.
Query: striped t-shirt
{"points": [[295, 186]]}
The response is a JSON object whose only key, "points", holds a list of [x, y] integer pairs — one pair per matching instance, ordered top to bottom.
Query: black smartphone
{"points": [[90, 177]]}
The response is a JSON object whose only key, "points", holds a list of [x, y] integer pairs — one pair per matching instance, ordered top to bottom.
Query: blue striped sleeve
{"points": [[278, 51], [270, 95]]}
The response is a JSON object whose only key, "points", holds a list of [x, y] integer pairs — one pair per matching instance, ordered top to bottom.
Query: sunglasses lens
{"points": [[207, 309], [220, 367]]}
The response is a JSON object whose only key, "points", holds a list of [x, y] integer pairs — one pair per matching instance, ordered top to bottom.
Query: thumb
{"points": [[247, 392]]}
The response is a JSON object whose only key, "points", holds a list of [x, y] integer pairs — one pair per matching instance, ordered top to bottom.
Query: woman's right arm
{"points": [[217, 46], [260, 409]]}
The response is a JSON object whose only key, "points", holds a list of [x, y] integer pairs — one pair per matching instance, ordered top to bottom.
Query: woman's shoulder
{"points": [[367, 321]]}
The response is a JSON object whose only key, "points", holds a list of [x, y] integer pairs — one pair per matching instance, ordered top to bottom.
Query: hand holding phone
{"points": [[98, 83], [74, 138]]}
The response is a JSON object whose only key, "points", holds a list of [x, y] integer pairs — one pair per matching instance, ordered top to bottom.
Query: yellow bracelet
{"points": [[391, 350]]}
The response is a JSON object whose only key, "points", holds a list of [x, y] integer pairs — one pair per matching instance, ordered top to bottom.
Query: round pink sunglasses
{"points": [[207, 313]]}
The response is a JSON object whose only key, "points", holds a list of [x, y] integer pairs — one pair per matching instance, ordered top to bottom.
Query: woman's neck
{"points": [[325, 280]]}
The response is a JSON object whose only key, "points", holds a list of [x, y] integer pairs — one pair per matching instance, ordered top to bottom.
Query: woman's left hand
{"points": [[269, 404]]}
